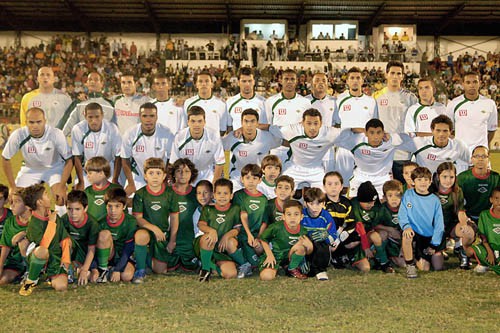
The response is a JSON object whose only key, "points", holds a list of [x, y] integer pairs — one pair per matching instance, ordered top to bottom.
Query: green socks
{"points": [[381, 253], [141, 255], [103, 257], [238, 257], [206, 259], [295, 261], [36, 266]]}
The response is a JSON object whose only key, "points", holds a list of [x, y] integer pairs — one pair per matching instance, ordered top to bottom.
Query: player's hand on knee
{"points": [[408, 233], [159, 234], [211, 237], [251, 240], [171, 246], [369, 253], [490, 258], [270, 262]]}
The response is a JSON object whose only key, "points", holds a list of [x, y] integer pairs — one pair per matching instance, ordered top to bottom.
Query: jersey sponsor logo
{"points": [[384, 102], [37, 104], [347, 107], [238, 109], [282, 112], [125, 113], [462, 113], [423, 117], [89, 145], [302, 145], [140, 148], [31, 149], [189, 151], [365, 152], [243, 153], [431, 157], [156, 207], [220, 218], [75, 235], [293, 240]]}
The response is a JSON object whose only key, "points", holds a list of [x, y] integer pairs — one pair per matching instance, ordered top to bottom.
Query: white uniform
{"points": [[237, 104], [326, 106], [127, 111], [281, 111], [352, 112], [76, 115], [170, 115], [216, 115], [419, 117], [87, 144], [138, 147], [250, 152], [205, 153], [428, 155], [44, 157], [305, 162], [373, 163], [267, 189]]}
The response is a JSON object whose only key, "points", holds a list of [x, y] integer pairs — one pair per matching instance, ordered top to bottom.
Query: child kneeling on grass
{"points": [[290, 244]]}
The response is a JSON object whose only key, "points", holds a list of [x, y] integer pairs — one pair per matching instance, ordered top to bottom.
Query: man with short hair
{"points": [[53, 101], [169, 113]]}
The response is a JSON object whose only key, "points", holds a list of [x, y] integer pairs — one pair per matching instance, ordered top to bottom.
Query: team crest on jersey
{"points": [[384, 102], [37, 104], [347, 107], [238, 109], [214, 111], [298, 111], [281, 112], [462, 113], [423, 117], [103, 143], [89, 145], [303, 145], [139, 148], [31, 149], [189, 151], [365, 152], [243, 153], [431, 157], [482, 190], [443, 199], [99, 202], [409, 205], [156, 207], [253, 207], [182, 208], [366, 216], [220, 219], [395, 220], [496, 230]]}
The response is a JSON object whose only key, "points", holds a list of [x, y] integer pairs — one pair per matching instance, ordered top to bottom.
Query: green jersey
{"points": [[477, 190], [451, 204], [186, 205], [254, 205], [97, 207], [155, 207], [273, 213], [4, 215], [389, 216], [369, 218], [222, 219], [12, 226], [489, 226], [36, 229], [122, 232], [83, 234], [281, 237]]}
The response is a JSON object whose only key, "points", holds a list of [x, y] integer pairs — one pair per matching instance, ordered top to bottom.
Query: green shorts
{"points": [[393, 247], [78, 254], [481, 255], [217, 256], [281, 258], [188, 262], [15, 264]]}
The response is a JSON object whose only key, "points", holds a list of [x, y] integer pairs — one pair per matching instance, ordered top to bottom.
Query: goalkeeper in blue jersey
{"points": [[321, 229]]}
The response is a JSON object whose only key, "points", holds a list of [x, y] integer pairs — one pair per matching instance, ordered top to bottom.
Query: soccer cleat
{"points": [[445, 256], [464, 260], [387, 268], [480, 269], [244, 270], [411, 271], [71, 273], [296, 273], [103, 275], [139, 276], [204, 276], [322, 276], [24, 277], [27, 288]]}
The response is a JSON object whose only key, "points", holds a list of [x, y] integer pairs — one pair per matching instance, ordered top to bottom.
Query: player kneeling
{"points": [[290, 244]]}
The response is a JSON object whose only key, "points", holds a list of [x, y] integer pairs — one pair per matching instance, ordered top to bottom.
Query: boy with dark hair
{"points": [[408, 168], [271, 169], [253, 206], [274, 209], [4, 212], [421, 218], [158, 219], [321, 229], [83, 230], [52, 242], [115, 243], [290, 244]]}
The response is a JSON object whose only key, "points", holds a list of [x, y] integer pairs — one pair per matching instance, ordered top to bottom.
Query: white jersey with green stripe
{"points": [[54, 104], [237, 104], [326, 106], [127, 111], [282, 111], [355, 111], [170, 115], [216, 115], [419, 117], [473, 119], [87, 144], [138, 147], [49, 151], [305, 151], [204, 152], [244, 152], [428, 155], [374, 161]]}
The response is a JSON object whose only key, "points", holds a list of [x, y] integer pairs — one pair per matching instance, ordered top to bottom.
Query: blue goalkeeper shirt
{"points": [[423, 213], [322, 222]]}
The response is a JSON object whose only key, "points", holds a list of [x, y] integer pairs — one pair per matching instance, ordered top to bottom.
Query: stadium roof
{"points": [[441, 17]]}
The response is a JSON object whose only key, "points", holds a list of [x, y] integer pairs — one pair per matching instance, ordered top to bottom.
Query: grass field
{"points": [[447, 301]]}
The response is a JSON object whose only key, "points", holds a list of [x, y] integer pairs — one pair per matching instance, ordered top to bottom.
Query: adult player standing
{"points": [[169, 113]]}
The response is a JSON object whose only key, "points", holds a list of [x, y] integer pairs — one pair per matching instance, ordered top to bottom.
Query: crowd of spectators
{"points": [[73, 58]]}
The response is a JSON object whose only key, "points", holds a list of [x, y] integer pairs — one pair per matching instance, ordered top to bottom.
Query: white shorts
{"points": [[329, 160], [344, 164], [207, 174], [305, 176], [27, 177], [377, 181], [237, 184]]}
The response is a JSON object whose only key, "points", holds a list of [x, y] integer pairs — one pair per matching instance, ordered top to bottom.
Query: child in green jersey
{"points": [[98, 171], [204, 197], [253, 206], [274, 209], [4, 212], [158, 219], [220, 224], [83, 230], [13, 240], [51, 241], [115, 243], [290, 244], [487, 253]]}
